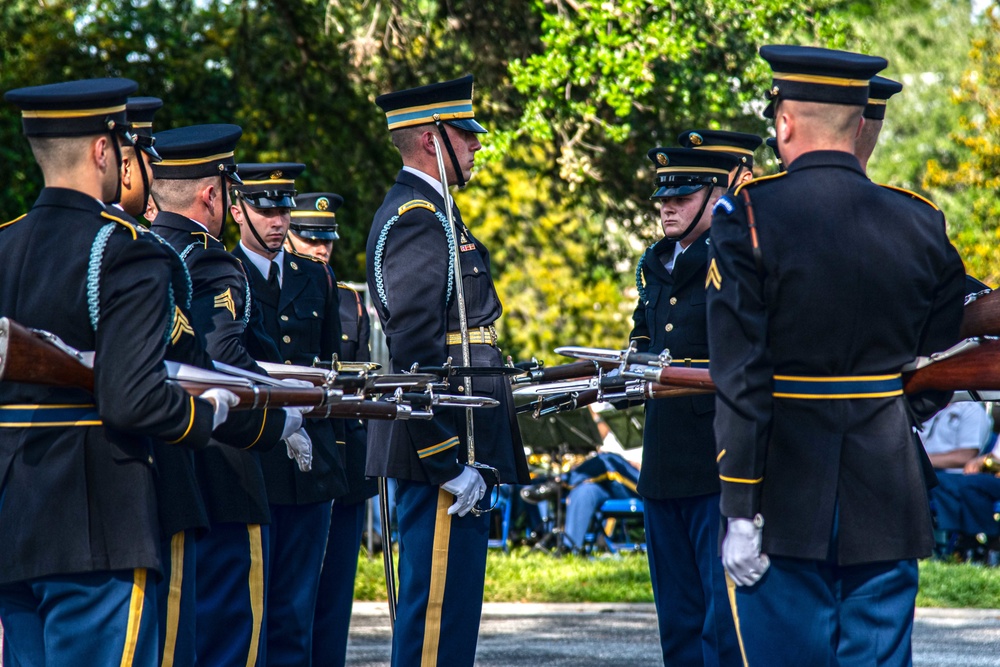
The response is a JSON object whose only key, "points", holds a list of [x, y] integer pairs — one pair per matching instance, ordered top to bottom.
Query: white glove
{"points": [[222, 400], [293, 421], [300, 448], [467, 488], [741, 554]]}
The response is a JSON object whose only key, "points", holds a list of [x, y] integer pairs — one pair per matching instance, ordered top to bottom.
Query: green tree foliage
{"points": [[300, 77], [972, 177]]}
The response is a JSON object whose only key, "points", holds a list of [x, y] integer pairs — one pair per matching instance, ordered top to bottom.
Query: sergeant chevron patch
{"points": [[713, 278], [225, 300], [180, 327]]}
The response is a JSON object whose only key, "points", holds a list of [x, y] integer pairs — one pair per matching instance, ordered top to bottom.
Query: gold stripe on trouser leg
{"points": [[439, 572], [256, 589], [731, 590], [173, 598], [134, 615]]}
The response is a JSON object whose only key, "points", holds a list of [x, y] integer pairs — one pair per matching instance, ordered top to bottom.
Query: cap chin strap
{"points": [[113, 134], [451, 154], [146, 192], [225, 203], [697, 216], [253, 228]]}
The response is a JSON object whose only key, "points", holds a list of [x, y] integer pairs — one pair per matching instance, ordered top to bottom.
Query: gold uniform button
{"points": [[295, 267], [475, 269], [673, 301], [315, 314], [284, 318], [669, 327], [343, 336], [287, 339], [288, 361], [461, 388], [150, 460]]}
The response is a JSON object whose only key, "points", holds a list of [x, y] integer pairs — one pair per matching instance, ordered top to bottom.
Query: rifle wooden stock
{"points": [[982, 316], [26, 357], [577, 369], [977, 369], [691, 378], [656, 390]]}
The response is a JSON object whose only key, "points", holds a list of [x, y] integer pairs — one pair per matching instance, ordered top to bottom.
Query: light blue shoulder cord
{"points": [[380, 251]]}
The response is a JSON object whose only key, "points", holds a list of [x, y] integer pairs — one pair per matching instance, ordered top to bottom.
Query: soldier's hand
{"points": [[221, 400], [293, 421], [300, 448], [468, 488], [741, 554]]}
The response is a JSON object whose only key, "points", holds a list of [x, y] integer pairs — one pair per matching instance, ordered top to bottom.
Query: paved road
{"points": [[598, 635]]}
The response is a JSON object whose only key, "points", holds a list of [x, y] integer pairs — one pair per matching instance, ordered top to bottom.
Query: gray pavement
{"points": [[592, 635]]}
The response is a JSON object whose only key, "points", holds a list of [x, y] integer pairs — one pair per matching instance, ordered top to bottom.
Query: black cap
{"points": [[812, 74], [880, 89], [448, 101], [73, 108], [140, 112], [739, 144], [197, 151], [683, 171], [268, 184], [315, 215]]}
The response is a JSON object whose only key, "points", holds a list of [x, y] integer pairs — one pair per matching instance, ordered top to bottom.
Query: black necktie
{"points": [[273, 286]]}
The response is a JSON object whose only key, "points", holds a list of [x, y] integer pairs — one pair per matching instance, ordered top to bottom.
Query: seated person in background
{"points": [[955, 435], [953, 439], [610, 474]]}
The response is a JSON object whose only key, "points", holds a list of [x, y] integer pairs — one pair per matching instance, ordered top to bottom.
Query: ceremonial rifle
{"points": [[981, 316], [39, 357]]}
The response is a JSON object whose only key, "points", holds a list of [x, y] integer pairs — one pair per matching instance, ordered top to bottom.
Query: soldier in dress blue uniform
{"points": [[190, 190], [312, 232], [411, 251], [298, 298], [678, 480], [822, 483], [78, 512]]}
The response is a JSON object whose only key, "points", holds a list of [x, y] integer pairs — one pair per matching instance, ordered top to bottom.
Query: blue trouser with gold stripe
{"points": [[298, 536], [442, 570], [230, 575], [689, 584], [336, 585], [175, 598], [90, 618]]}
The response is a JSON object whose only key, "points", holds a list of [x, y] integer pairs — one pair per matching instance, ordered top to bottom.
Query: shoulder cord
{"points": [[380, 251], [639, 282]]}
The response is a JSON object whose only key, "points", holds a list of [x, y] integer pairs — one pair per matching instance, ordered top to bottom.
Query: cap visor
{"points": [[769, 110], [467, 124], [151, 152], [676, 191], [317, 236]]}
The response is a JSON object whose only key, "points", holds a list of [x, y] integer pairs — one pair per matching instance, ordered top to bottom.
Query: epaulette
{"points": [[755, 181], [914, 195], [416, 203], [20, 217], [124, 223], [299, 254]]}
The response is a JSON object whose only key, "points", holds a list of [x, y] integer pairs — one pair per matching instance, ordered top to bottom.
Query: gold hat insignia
{"points": [[696, 139], [662, 159], [275, 175], [322, 204]]}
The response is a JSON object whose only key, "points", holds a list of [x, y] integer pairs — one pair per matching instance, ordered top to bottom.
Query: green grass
{"points": [[527, 576]]}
